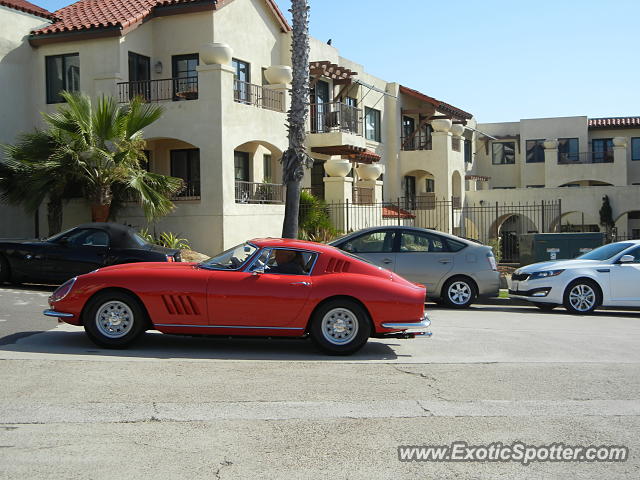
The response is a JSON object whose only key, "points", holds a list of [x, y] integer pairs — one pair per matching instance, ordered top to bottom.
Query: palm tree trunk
{"points": [[296, 158], [54, 215]]}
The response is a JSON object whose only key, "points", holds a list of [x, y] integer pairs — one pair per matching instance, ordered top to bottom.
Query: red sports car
{"points": [[265, 287]]}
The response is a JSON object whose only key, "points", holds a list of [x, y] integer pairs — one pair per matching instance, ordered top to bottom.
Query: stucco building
{"points": [[220, 70]]}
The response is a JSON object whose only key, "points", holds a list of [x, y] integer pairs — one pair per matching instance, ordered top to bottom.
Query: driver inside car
{"points": [[288, 262]]}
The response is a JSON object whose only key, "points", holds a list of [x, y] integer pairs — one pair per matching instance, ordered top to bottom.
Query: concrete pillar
{"points": [[107, 85], [286, 94], [550, 161], [620, 163], [338, 189]]}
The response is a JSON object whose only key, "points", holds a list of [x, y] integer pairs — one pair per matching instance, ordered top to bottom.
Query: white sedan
{"points": [[607, 276]]}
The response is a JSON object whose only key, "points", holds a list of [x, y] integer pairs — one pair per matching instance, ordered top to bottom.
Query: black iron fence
{"points": [[166, 89], [258, 96], [335, 116], [419, 141], [253, 192]]}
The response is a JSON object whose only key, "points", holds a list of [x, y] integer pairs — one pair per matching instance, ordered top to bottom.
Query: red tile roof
{"points": [[27, 7], [86, 15], [440, 106], [615, 122], [392, 212]]}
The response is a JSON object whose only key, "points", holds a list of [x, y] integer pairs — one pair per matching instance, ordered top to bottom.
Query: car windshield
{"points": [[605, 252], [232, 259]]}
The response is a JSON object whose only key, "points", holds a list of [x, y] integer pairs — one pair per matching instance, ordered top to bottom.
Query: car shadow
{"points": [[28, 287], [532, 309], [155, 345]]}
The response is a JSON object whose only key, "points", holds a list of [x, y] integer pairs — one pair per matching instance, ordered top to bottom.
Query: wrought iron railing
{"points": [[166, 89], [258, 96], [335, 117], [419, 141], [585, 157], [191, 191], [253, 192], [456, 202]]}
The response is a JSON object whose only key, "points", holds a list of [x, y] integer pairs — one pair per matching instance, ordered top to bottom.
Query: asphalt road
{"points": [[21, 311], [180, 407]]}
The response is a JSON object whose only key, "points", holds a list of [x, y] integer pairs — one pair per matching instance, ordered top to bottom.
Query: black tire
{"points": [[5, 270], [458, 292], [582, 297], [546, 307], [130, 324], [354, 327]]}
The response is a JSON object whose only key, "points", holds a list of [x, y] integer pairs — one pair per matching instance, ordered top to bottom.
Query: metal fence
{"points": [[166, 89], [258, 96], [253, 192]]}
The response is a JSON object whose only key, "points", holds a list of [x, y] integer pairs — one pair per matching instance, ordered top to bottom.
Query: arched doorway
{"points": [[507, 228]]}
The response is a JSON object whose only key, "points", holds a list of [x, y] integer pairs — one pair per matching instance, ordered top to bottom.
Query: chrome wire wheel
{"points": [[459, 292], [582, 297], [114, 319], [339, 326]]}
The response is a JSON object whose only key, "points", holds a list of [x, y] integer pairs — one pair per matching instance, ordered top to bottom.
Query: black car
{"points": [[79, 250]]}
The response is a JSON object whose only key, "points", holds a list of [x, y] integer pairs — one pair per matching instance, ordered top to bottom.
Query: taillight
{"points": [[170, 258], [492, 261], [62, 291]]}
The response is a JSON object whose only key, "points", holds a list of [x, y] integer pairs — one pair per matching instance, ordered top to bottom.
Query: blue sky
{"points": [[501, 60]]}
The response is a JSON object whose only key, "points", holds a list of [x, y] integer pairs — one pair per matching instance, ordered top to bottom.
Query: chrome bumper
{"points": [[53, 313], [416, 328]]}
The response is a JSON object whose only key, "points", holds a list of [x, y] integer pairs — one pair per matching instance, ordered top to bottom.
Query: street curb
{"points": [[503, 302]]}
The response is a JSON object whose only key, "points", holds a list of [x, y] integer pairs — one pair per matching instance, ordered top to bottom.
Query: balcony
{"points": [[163, 90], [258, 96], [335, 117], [419, 141], [583, 158], [191, 191], [253, 192]]}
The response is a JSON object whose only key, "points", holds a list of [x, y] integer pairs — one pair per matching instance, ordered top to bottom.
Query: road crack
{"points": [[430, 381], [223, 464]]}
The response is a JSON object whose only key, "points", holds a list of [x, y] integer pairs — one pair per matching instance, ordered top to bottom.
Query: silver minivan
{"points": [[455, 271]]}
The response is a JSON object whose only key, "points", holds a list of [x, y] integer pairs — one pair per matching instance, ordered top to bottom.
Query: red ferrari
{"points": [[265, 287]]}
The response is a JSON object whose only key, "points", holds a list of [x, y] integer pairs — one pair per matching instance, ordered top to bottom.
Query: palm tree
{"points": [[105, 143], [295, 158]]}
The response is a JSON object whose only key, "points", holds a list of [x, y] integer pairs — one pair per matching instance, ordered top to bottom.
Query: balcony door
{"points": [[139, 76], [185, 76], [242, 88], [320, 107], [408, 127], [185, 164], [317, 179]]}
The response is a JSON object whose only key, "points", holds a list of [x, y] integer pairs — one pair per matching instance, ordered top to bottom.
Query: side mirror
{"points": [[347, 247], [627, 259]]}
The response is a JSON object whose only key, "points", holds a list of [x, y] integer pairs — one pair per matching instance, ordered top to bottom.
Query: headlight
{"points": [[545, 274], [62, 291]]}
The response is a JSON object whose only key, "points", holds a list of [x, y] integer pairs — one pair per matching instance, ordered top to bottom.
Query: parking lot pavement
{"points": [[21, 311], [181, 407]]}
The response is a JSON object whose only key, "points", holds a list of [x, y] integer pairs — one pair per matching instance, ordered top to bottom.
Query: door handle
{"points": [[445, 260], [386, 261], [306, 284]]}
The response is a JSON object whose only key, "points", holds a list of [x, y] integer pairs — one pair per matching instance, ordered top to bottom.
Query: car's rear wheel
{"points": [[5, 272], [458, 292], [582, 297], [546, 307], [114, 319], [340, 327]]}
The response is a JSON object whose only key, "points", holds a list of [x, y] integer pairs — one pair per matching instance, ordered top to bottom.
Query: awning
{"points": [[350, 152], [392, 211]]}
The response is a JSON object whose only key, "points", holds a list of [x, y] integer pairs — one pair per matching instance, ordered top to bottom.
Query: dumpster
{"points": [[542, 247]]}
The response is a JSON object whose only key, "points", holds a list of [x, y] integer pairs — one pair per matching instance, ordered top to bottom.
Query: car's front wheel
{"points": [[458, 292], [582, 297], [114, 319], [340, 327]]}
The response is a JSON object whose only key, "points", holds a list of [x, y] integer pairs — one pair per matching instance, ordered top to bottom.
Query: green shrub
{"points": [[314, 222], [496, 245]]}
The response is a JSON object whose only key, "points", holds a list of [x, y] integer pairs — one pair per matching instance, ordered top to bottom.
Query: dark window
{"points": [[63, 73], [139, 74], [185, 75], [372, 124], [568, 149], [602, 149], [635, 149], [535, 151], [468, 153], [503, 153], [185, 164], [241, 165], [267, 173], [317, 179], [431, 185], [410, 192], [86, 238], [373, 242], [422, 242], [455, 246], [636, 254], [285, 262]]}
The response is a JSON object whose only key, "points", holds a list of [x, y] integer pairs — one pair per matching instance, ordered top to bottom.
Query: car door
{"points": [[376, 246], [79, 252], [423, 257], [624, 279], [257, 298]]}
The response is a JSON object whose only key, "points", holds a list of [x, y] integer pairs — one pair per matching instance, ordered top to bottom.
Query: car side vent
{"points": [[337, 266], [180, 305]]}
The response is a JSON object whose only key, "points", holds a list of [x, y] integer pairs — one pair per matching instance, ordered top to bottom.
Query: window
{"points": [[62, 73], [139, 74], [242, 81], [185, 84], [352, 102], [372, 124], [602, 149], [635, 149], [568, 150], [535, 151], [503, 153], [468, 158], [185, 164], [241, 166], [267, 172], [430, 186], [535, 186], [86, 238], [373, 242], [421, 242], [636, 254], [284, 261]]}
